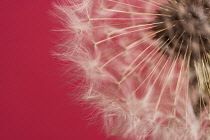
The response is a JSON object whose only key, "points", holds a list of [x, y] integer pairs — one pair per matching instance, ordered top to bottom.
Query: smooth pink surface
{"points": [[34, 97]]}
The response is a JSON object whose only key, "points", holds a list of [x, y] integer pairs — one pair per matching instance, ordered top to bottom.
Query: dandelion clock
{"points": [[144, 65]]}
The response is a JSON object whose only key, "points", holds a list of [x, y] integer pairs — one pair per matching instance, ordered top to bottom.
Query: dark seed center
{"points": [[186, 29]]}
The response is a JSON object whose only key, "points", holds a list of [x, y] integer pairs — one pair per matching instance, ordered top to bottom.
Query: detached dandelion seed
{"points": [[145, 64]]}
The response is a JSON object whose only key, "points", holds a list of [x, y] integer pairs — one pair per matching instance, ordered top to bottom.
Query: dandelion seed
{"points": [[145, 63]]}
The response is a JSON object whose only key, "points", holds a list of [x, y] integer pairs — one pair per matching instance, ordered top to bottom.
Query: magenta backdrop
{"points": [[34, 98]]}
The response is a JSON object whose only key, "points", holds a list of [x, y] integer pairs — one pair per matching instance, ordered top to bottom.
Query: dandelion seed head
{"points": [[144, 64]]}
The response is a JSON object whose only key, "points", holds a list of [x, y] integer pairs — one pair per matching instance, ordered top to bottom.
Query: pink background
{"points": [[34, 97]]}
